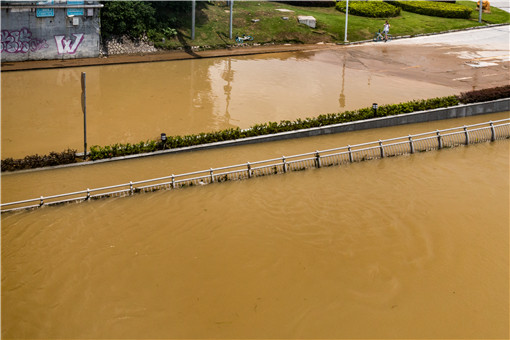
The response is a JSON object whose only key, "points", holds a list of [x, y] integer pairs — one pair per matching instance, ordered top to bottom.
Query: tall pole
{"points": [[480, 4], [231, 15], [193, 20], [346, 20], [84, 107]]}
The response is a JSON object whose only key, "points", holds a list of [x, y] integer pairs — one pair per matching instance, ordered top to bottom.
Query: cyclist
{"points": [[386, 29]]}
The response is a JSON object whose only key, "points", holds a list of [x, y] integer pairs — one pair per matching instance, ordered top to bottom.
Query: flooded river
{"points": [[133, 102], [407, 247]]}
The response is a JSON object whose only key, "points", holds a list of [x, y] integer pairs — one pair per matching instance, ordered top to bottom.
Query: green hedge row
{"points": [[434, 8], [372, 9], [115, 150], [98, 152], [37, 161]]}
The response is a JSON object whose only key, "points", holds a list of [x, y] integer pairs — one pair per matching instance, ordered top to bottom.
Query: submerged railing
{"points": [[435, 140]]}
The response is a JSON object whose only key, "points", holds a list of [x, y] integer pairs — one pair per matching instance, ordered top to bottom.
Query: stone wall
{"points": [[35, 33], [124, 45]]}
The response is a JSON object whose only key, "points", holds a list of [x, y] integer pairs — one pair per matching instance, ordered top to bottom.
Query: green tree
{"points": [[131, 18]]}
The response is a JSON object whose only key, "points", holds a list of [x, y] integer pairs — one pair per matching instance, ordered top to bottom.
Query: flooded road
{"points": [[41, 110], [412, 246], [404, 247], [408, 247]]}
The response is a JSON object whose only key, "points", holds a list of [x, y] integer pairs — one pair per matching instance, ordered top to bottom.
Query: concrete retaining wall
{"points": [[38, 33]]}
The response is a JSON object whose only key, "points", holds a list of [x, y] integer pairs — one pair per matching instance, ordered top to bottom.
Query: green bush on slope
{"points": [[372, 9]]}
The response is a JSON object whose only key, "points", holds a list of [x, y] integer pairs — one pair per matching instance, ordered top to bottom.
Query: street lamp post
{"points": [[480, 5], [231, 15], [346, 19], [193, 20], [84, 108]]}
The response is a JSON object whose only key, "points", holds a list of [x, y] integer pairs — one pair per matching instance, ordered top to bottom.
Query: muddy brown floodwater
{"points": [[130, 103], [405, 247]]}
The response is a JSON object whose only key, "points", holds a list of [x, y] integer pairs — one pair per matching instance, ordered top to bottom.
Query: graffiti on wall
{"points": [[21, 41], [67, 46]]}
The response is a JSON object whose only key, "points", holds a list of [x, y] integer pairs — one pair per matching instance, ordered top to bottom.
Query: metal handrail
{"points": [[249, 167]]}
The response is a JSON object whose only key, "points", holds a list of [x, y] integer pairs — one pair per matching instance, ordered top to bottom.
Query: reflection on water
{"points": [[228, 76], [341, 99], [134, 102], [405, 247]]}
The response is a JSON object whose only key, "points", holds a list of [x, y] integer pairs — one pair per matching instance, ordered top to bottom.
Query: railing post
{"points": [[493, 132], [467, 134], [439, 140], [411, 144], [382, 148], [350, 153], [318, 159], [284, 164], [248, 165], [212, 175], [173, 181], [131, 187], [88, 194], [41, 202]]}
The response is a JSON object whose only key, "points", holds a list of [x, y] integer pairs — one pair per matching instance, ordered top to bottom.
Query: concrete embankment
{"points": [[459, 111]]}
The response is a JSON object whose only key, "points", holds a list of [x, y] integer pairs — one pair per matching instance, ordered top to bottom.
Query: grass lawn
{"points": [[212, 24]]}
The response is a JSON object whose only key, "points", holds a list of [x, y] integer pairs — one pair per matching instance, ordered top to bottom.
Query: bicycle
{"points": [[379, 36], [243, 38]]}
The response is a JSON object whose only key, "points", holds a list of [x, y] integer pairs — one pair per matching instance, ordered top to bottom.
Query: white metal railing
{"points": [[488, 131]]}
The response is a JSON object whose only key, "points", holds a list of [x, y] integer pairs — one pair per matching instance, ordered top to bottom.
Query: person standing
{"points": [[386, 29]]}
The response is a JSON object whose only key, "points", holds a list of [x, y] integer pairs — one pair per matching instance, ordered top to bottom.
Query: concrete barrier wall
{"points": [[63, 34], [459, 111]]}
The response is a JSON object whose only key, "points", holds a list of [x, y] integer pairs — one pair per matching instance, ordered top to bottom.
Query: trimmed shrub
{"points": [[434, 8], [372, 9], [485, 94], [116, 150], [37, 161]]}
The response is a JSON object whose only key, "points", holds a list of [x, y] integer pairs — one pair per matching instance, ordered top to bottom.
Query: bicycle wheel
{"points": [[249, 37], [239, 40]]}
